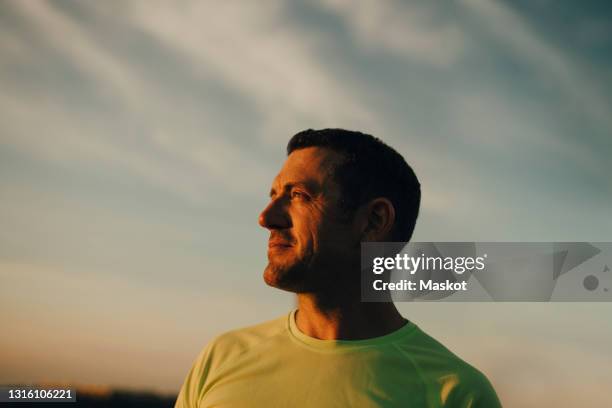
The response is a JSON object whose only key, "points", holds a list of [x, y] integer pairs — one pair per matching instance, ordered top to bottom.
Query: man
{"points": [[336, 189]]}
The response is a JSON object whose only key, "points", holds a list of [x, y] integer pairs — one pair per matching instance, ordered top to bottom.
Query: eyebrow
{"points": [[310, 187]]}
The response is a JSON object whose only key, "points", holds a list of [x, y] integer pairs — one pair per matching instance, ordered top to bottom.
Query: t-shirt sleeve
{"points": [[193, 385], [476, 392], [486, 397]]}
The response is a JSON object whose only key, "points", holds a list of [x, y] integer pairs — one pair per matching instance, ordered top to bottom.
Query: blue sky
{"points": [[139, 139]]}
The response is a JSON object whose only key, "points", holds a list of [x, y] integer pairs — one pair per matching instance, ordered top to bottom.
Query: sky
{"points": [[139, 139]]}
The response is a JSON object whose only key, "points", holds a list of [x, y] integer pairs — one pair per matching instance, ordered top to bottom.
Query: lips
{"points": [[280, 241], [279, 244]]}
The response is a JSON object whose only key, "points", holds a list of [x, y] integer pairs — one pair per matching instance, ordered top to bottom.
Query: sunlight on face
{"points": [[309, 237]]}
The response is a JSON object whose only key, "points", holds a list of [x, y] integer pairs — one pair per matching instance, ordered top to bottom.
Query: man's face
{"points": [[311, 243]]}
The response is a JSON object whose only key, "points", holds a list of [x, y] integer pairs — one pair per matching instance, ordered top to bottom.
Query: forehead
{"points": [[309, 165]]}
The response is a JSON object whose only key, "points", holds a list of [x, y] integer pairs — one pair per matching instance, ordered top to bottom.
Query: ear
{"points": [[379, 220]]}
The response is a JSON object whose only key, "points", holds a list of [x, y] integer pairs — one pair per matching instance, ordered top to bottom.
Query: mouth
{"points": [[278, 245]]}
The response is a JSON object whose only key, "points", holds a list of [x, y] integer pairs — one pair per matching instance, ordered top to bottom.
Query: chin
{"points": [[286, 278]]}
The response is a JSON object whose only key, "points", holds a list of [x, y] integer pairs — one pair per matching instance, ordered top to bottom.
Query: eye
{"points": [[299, 195]]}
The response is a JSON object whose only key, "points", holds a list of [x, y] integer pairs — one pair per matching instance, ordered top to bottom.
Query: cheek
{"points": [[308, 229], [308, 238], [339, 238]]}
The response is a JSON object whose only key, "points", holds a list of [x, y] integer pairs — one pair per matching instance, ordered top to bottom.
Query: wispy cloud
{"points": [[417, 32], [255, 49], [545, 58], [141, 131]]}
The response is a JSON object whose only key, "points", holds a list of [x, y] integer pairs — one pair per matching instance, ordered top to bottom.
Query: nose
{"points": [[275, 215]]}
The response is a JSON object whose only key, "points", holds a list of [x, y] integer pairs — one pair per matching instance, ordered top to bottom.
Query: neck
{"points": [[345, 320]]}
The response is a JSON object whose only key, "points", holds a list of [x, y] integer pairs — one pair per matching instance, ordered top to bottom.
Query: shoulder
{"points": [[232, 344], [222, 350], [427, 352], [455, 379]]}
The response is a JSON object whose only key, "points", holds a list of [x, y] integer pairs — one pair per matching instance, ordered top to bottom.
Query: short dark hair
{"points": [[370, 169]]}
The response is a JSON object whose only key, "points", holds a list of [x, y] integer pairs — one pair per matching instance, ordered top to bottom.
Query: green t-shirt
{"points": [[273, 364]]}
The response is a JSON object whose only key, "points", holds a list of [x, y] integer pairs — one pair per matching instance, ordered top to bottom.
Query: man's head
{"points": [[336, 189]]}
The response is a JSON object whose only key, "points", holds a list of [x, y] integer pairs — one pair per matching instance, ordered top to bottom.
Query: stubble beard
{"points": [[312, 274], [292, 275]]}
